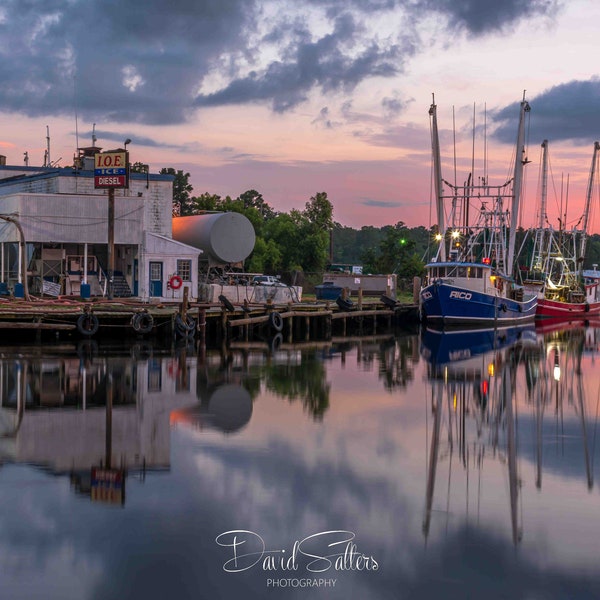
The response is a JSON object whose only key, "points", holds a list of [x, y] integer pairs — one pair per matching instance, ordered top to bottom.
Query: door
{"points": [[135, 277], [156, 279]]}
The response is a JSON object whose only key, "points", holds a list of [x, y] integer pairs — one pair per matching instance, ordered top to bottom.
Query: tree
{"points": [[138, 167], [254, 199], [182, 203], [319, 211], [395, 254]]}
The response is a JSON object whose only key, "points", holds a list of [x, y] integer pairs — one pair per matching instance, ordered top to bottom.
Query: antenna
{"points": [[76, 120], [47, 157]]}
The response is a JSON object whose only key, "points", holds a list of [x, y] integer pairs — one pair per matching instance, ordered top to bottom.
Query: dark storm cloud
{"points": [[484, 16], [137, 61], [149, 61], [331, 63], [564, 112]]}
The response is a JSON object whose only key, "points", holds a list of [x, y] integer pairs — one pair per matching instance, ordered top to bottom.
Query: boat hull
{"points": [[449, 304], [554, 309]]}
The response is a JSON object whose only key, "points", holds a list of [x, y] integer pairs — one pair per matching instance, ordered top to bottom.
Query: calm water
{"points": [[453, 465]]}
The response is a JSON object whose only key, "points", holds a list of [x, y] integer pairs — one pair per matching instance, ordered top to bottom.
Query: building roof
{"points": [[12, 174]]}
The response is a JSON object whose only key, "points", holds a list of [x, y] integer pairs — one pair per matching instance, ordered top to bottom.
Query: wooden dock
{"points": [[214, 322]]}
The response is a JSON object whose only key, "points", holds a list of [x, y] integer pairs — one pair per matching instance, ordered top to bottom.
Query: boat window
{"points": [[461, 272]]}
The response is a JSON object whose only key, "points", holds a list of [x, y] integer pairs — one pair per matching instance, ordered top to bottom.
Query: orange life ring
{"points": [[175, 282]]}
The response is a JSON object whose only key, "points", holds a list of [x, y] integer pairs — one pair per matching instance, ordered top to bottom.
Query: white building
{"points": [[65, 224]]}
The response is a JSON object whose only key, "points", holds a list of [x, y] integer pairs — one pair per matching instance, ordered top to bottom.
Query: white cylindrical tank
{"points": [[225, 237]]}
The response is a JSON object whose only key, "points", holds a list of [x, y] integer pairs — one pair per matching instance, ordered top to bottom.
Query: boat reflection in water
{"points": [[489, 390]]}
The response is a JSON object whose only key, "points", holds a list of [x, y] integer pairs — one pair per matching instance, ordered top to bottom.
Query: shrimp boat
{"points": [[555, 272], [470, 279]]}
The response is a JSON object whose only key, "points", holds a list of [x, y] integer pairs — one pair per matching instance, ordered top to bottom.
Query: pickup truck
{"points": [[267, 280]]}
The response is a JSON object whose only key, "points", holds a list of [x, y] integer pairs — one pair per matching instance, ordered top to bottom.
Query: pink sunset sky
{"points": [[295, 98]]}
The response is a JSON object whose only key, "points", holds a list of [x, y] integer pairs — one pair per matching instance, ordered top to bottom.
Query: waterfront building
{"points": [[65, 226]]}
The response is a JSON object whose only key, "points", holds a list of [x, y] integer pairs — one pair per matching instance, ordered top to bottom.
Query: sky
{"points": [[295, 98]]}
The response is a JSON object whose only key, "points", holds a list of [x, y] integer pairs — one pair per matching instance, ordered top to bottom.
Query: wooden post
{"points": [[111, 242], [416, 289], [360, 298], [185, 303], [224, 323], [202, 325]]}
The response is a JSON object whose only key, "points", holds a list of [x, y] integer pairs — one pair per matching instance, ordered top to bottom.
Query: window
{"points": [[184, 269]]}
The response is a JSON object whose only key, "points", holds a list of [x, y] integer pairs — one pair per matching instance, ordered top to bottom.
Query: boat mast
{"points": [[520, 160], [437, 175], [544, 198], [588, 199], [540, 250]]}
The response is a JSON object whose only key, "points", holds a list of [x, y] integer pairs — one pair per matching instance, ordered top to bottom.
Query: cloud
{"points": [[479, 17], [137, 61], [335, 61], [151, 62], [564, 112], [381, 203]]}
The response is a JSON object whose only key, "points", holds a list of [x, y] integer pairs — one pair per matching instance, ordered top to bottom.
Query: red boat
{"points": [[555, 272], [574, 305]]}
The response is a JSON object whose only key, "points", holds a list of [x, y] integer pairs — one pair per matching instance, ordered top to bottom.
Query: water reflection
{"points": [[500, 393], [443, 452]]}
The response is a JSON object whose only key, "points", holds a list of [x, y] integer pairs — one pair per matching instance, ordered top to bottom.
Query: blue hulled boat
{"points": [[470, 279]]}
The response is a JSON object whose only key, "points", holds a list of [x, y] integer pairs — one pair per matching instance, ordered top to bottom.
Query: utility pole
{"points": [[111, 242]]}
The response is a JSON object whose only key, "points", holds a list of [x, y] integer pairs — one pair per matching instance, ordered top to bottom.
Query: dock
{"points": [[209, 322]]}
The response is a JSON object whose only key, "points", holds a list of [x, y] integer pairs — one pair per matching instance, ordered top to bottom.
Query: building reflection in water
{"points": [[484, 384], [100, 413]]}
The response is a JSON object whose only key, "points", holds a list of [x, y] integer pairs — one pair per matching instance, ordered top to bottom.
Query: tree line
{"points": [[308, 241]]}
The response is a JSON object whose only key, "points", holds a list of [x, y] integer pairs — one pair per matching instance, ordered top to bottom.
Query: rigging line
{"points": [[76, 119], [454, 143], [485, 158]]}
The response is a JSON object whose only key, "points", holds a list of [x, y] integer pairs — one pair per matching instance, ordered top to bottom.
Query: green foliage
{"points": [[138, 167], [182, 201], [395, 253]]}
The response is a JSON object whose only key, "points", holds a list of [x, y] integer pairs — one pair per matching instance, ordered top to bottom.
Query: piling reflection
{"points": [[488, 391]]}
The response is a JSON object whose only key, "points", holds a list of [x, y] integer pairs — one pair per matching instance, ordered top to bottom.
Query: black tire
{"points": [[389, 302], [226, 303], [344, 304], [587, 307], [276, 321], [142, 322], [88, 324], [185, 328]]}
